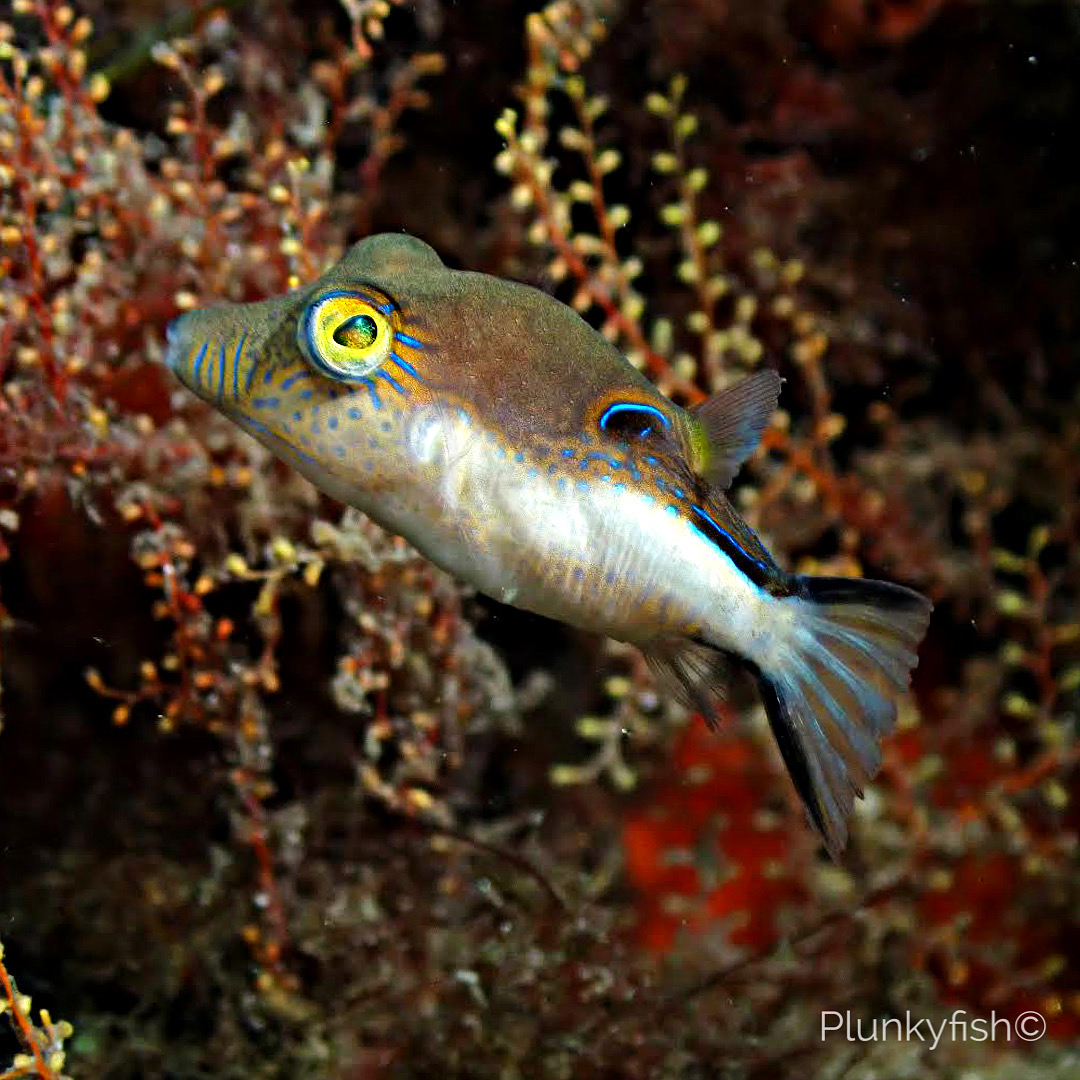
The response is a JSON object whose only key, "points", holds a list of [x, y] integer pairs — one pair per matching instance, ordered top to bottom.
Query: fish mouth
{"points": [[173, 339]]}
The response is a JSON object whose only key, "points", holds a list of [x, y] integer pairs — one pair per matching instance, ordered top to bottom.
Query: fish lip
{"points": [[172, 352]]}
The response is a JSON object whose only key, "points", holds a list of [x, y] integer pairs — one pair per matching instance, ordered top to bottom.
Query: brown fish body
{"points": [[519, 450]]}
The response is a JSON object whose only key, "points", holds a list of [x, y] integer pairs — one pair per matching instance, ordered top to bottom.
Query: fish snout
{"points": [[174, 337], [209, 351]]}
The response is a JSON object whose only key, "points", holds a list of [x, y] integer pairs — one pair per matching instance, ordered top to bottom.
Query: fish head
{"points": [[322, 373], [341, 377]]}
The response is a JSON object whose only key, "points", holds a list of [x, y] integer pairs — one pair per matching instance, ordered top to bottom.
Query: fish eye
{"points": [[358, 332], [346, 335]]}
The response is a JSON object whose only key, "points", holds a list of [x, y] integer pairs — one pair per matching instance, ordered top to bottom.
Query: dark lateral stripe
{"points": [[757, 571]]}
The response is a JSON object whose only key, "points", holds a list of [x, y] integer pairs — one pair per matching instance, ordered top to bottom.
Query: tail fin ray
{"points": [[828, 691]]}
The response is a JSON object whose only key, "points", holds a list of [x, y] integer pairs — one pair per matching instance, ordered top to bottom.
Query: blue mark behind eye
{"points": [[405, 339], [198, 364], [405, 366], [394, 383], [370, 384], [632, 407]]}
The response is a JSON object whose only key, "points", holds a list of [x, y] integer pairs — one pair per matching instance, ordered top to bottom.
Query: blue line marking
{"points": [[386, 309], [405, 339], [198, 364], [405, 366], [236, 367], [221, 375], [250, 376], [268, 376], [287, 383], [370, 384], [395, 384], [268, 403], [628, 406], [298, 416], [332, 422], [650, 460], [673, 510]]}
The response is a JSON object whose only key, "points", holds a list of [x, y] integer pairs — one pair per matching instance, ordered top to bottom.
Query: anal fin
{"points": [[695, 674]]}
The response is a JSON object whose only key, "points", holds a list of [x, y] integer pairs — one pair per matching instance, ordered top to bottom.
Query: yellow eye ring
{"points": [[345, 334]]}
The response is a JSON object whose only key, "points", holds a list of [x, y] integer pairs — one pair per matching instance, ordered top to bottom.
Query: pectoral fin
{"points": [[730, 425]]}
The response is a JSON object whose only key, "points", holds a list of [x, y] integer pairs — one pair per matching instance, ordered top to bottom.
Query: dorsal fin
{"points": [[732, 422]]}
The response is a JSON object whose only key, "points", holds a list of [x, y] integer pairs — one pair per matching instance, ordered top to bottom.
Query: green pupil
{"points": [[359, 332]]}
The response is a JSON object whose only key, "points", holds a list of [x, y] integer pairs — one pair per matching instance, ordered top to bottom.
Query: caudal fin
{"points": [[830, 689]]}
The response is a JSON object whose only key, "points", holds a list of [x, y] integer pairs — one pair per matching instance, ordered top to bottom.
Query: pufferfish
{"points": [[515, 447]]}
